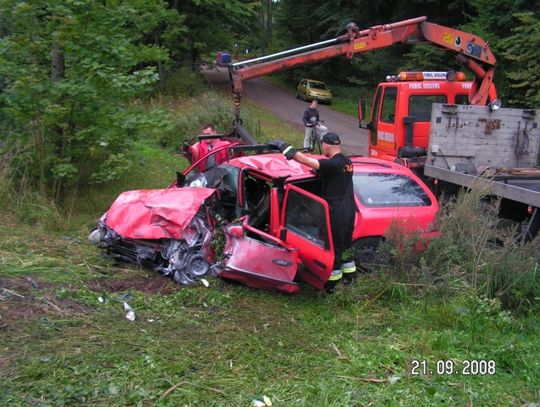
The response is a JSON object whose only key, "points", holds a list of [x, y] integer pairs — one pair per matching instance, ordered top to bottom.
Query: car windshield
{"points": [[316, 85], [222, 177], [389, 190]]}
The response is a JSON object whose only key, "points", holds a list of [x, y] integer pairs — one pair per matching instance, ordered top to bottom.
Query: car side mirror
{"points": [[362, 114]]}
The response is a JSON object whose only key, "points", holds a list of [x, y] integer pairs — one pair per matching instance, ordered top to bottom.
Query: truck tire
{"points": [[366, 254]]}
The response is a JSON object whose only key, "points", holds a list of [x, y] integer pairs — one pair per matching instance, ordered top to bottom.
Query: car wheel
{"points": [[297, 95], [366, 254], [196, 267]]}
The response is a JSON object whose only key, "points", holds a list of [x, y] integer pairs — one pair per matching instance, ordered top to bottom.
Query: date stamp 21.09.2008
{"points": [[473, 367]]}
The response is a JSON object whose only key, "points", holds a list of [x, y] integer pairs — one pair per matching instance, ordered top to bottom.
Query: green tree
{"points": [[495, 20], [211, 25], [522, 49], [70, 71]]}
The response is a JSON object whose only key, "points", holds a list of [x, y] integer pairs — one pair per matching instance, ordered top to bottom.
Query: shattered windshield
{"points": [[223, 178]]}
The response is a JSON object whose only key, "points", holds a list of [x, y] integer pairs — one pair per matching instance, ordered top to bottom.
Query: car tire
{"points": [[366, 254]]}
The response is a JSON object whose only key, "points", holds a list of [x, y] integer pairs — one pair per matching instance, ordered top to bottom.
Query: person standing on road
{"points": [[310, 119], [204, 146], [336, 171]]}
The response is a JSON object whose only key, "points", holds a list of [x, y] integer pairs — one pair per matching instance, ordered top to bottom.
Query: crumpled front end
{"points": [[173, 235]]}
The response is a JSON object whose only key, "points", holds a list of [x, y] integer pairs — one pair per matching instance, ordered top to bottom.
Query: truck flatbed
{"points": [[496, 149]]}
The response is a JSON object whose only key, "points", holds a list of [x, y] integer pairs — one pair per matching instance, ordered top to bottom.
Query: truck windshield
{"points": [[420, 106], [389, 190]]}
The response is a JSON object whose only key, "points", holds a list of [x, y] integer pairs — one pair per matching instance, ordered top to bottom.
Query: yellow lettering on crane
{"points": [[448, 38], [360, 45]]}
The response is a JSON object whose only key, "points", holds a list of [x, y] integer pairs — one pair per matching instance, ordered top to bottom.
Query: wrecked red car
{"points": [[275, 224]]}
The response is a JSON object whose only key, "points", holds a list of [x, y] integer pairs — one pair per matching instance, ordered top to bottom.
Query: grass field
{"points": [[65, 340]]}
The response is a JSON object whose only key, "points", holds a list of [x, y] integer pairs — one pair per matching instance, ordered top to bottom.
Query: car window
{"points": [[316, 85], [420, 106], [388, 190], [306, 218]]}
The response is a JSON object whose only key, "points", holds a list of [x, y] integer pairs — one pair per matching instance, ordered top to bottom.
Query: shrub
{"points": [[183, 82], [208, 107], [475, 255]]}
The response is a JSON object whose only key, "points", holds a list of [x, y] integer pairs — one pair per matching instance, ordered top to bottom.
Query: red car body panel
{"points": [[155, 213], [375, 221], [258, 264]]}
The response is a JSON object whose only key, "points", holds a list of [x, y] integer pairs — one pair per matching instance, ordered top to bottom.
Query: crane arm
{"points": [[471, 50]]}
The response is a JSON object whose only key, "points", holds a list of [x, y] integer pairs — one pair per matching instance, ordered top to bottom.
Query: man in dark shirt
{"points": [[310, 119], [336, 172]]}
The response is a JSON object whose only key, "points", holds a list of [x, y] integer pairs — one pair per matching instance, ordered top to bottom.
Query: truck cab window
{"points": [[461, 100], [420, 106], [388, 109]]}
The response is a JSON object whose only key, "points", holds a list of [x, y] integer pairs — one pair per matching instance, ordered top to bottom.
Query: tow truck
{"points": [[435, 123]]}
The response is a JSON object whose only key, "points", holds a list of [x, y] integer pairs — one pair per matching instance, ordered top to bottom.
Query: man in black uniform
{"points": [[337, 188]]}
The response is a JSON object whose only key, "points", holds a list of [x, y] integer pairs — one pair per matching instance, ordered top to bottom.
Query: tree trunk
{"points": [[269, 23], [57, 63], [161, 67]]}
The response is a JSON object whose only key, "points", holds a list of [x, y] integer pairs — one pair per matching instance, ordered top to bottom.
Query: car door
{"points": [[305, 223], [258, 260]]}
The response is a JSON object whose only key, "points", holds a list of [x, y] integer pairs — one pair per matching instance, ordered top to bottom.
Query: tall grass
{"points": [[476, 256]]}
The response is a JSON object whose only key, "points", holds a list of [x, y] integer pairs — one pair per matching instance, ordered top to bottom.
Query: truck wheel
{"points": [[366, 254]]}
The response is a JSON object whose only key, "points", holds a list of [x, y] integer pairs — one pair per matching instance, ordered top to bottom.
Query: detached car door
{"points": [[305, 221], [258, 260]]}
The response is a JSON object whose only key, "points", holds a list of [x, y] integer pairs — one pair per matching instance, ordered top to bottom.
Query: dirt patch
{"points": [[20, 284], [149, 285], [25, 299]]}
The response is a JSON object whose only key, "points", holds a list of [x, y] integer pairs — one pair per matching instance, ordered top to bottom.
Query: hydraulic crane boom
{"points": [[472, 51]]}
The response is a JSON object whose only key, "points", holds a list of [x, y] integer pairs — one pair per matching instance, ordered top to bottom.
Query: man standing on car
{"points": [[310, 119], [204, 146], [336, 172]]}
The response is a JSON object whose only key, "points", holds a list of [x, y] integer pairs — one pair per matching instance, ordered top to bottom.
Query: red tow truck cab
{"points": [[401, 113]]}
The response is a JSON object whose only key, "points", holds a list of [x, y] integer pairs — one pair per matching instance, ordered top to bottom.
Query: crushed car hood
{"points": [[155, 213]]}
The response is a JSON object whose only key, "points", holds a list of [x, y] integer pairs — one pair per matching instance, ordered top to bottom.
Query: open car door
{"points": [[305, 222], [258, 260]]}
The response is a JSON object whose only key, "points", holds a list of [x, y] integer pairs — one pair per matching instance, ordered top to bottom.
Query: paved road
{"points": [[284, 104]]}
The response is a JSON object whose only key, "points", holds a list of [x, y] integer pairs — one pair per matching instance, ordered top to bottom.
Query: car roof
{"points": [[275, 165]]}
